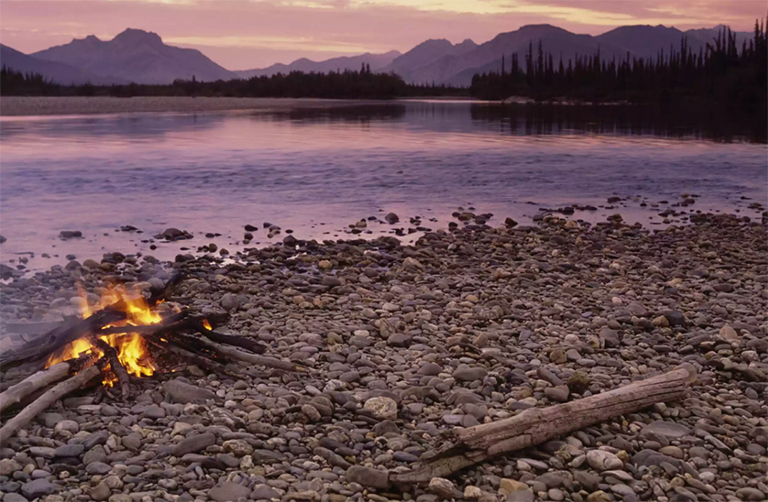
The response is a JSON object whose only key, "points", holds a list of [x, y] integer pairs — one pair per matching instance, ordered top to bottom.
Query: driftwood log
{"points": [[237, 341], [47, 344], [239, 355], [44, 378], [34, 382], [43, 402], [470, 446]]}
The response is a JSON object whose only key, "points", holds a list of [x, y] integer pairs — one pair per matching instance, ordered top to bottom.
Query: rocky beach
{"points": [[398, 344]]}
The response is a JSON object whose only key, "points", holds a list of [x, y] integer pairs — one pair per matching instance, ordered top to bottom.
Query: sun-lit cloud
{"points": [[241, 34], [284, 43]]}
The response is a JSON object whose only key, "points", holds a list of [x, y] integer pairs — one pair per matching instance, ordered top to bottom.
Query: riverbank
{"points": [[464, 327]]}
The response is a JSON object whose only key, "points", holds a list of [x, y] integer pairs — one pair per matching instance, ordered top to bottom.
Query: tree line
{"points": [[721, 73], [362, 84]]}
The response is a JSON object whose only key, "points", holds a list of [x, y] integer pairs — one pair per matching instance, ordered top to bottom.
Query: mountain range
{"points": [[140, 56]]}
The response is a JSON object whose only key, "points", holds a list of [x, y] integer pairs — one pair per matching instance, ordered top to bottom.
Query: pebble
{"points": [[383, 408], [193, 444], [602, 460], [367, 476], [37, 488], [228, 492]]}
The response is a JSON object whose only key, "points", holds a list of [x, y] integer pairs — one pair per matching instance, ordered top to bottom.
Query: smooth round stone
{"points": [[98, 468]]}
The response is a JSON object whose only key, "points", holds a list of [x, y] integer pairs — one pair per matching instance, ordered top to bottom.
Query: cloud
{"points": [[242, 34]]}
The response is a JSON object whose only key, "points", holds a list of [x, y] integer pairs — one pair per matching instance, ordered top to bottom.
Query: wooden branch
{"points": [[237, 341], [47, 344], [198, 360], [269, 362], [116, 366], [32, 383], [43, 402], [534, 426]]}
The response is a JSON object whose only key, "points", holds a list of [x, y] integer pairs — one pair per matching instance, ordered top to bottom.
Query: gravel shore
{"points": [[467, 326]]}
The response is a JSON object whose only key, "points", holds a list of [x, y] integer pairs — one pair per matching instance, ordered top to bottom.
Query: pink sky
{"points": [[242, 34]]}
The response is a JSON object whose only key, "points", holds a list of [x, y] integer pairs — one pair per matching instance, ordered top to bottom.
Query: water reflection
{"points": [[677, 123], [318, 170]]}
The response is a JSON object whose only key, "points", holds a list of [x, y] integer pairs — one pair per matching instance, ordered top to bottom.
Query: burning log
{"points": [[175, 321], [63, 335], [117, 368], [46, 400], [477, 444]]}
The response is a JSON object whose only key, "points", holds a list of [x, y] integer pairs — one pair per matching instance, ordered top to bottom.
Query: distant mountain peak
{"points": [[136, 36]]}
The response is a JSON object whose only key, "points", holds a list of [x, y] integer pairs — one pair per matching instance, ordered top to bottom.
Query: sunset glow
{"points": [[240, 34]]}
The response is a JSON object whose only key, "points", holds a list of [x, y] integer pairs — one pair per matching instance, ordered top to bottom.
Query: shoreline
{"points": [[47, 106], [461, 328]]}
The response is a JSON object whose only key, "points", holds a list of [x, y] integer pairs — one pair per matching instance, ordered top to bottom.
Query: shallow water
{"points": [[317, 171]]}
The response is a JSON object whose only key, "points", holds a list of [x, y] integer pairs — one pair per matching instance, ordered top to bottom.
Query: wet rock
{"points": [[391, 218], [70, 234], [174, 234]]}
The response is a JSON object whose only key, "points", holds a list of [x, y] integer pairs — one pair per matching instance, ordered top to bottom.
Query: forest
{"points": [[723, 74], [362, 84]]}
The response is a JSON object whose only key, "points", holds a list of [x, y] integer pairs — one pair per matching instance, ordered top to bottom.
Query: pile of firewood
{"points": [[183, 339]]}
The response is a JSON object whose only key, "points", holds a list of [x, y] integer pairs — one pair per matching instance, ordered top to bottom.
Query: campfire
{"points": [[124, 337], [130, 348]]}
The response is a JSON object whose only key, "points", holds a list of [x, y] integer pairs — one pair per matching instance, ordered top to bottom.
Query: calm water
{"points": [[317, 171]]}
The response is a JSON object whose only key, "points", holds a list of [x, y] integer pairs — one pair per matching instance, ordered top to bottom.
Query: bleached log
{"points": [[42, 378], [46, 400], [470, 446]]}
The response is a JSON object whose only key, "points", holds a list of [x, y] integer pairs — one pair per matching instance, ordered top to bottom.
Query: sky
{"points": [[244, 34]]}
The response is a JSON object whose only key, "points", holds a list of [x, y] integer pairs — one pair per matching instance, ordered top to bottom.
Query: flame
{"points": [[206, 324], [131, 348]]}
